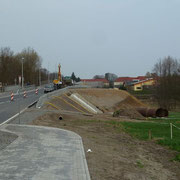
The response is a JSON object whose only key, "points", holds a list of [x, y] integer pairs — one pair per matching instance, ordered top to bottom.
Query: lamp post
{"points": [[22, 74], [39, 76]]}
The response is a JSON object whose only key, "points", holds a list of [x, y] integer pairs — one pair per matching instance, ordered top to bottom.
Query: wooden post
{"points": [[171, 130], [150, 135]]}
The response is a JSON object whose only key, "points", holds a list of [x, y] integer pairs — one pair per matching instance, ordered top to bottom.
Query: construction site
{"points": [[90, 90], [95, 114], [89, 131]]}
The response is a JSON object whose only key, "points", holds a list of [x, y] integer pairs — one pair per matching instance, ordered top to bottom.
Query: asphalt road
{"points": [[9, 108]]}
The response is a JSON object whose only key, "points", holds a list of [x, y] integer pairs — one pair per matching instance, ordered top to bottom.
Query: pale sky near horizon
{"points": [[90, 37]]}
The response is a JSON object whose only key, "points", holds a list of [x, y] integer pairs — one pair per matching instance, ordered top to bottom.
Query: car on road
{"points": [[48, 88]]}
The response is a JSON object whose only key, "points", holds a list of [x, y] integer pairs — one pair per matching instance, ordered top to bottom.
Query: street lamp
{"points": [[22, 74], [39, 76]]}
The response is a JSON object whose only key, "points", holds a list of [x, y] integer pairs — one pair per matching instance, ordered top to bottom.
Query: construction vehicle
{"points": [[62, 81], [67, 81], [58, 82]]}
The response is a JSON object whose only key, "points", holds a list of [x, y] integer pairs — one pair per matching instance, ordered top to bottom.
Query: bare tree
{"points": [[31, 63], [8, 66], [11, 66], [168, 78]]}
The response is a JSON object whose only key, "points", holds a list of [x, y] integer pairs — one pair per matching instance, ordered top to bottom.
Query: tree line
{"points": [[11, 66], [167, 88]]}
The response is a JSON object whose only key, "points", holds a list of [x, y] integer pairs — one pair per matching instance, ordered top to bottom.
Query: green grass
{"points": [[143, 92], [174, 117], [160, 130], [177, 158], [139, 164]]}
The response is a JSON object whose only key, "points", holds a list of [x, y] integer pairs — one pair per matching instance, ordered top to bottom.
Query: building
{"points": [[126, 81], [100, 83], [139, 86]]}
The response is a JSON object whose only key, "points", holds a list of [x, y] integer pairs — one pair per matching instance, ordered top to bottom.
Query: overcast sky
{"points": [[90, 37]]}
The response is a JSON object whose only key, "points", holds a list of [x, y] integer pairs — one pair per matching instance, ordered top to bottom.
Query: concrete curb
{"points": [[48, 96], [32, 104]]}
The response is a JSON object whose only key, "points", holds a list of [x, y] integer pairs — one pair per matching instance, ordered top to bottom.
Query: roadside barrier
{"points": [[36, 91], [25, 94], [12, 96], [171, 129]]}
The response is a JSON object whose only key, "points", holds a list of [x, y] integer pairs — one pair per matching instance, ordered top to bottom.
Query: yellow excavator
{"points": [[62, 81], [58, 82]]}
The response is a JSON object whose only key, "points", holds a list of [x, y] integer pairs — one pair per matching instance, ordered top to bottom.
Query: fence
{"points": [[171, 129]]}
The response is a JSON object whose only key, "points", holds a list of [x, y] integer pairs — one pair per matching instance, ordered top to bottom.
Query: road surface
{"points": [[9, 108]]}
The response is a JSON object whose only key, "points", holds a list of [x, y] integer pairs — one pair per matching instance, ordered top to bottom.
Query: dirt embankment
{"points": [[109, 100], [115, 155]]}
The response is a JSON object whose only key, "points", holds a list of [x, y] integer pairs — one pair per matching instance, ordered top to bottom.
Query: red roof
{"points": [[141, 78], [124, 79], [127, 79], [95, 80], [144, 81]]}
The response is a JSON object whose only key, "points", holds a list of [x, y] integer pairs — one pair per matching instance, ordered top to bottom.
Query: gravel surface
{"points": [[6, 138]]}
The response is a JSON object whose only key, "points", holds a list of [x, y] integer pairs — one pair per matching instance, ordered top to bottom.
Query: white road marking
{"points": [[5, 102], [13, 117]]}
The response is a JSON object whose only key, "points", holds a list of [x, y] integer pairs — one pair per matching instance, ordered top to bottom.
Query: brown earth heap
{"points": [[111, 100], [130, 113]]}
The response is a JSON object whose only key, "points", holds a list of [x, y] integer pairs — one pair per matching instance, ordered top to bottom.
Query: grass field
{"points": [[160, 130]]}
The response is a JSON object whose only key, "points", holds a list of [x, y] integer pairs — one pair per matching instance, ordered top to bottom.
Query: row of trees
{"points": [[11, 66], [167, 89]]}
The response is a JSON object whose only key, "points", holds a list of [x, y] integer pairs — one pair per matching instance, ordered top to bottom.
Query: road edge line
{"points": [[32, 103], [11, 118]]}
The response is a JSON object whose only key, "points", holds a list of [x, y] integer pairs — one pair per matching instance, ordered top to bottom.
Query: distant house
{"points": [[126, 81], [96, 82], [139, 86]]}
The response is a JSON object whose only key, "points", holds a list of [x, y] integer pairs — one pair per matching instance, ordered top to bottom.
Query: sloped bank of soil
{"points": [[109, 100], [130, 113], [116, 155]]}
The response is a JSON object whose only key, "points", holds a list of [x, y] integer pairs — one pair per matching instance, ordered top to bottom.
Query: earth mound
{"points": [[109, 100], [130, 113]]}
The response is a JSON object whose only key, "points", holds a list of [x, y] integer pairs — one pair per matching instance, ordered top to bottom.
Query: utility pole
{"points": [[48, 72], [22, 73], [39, 76]]}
